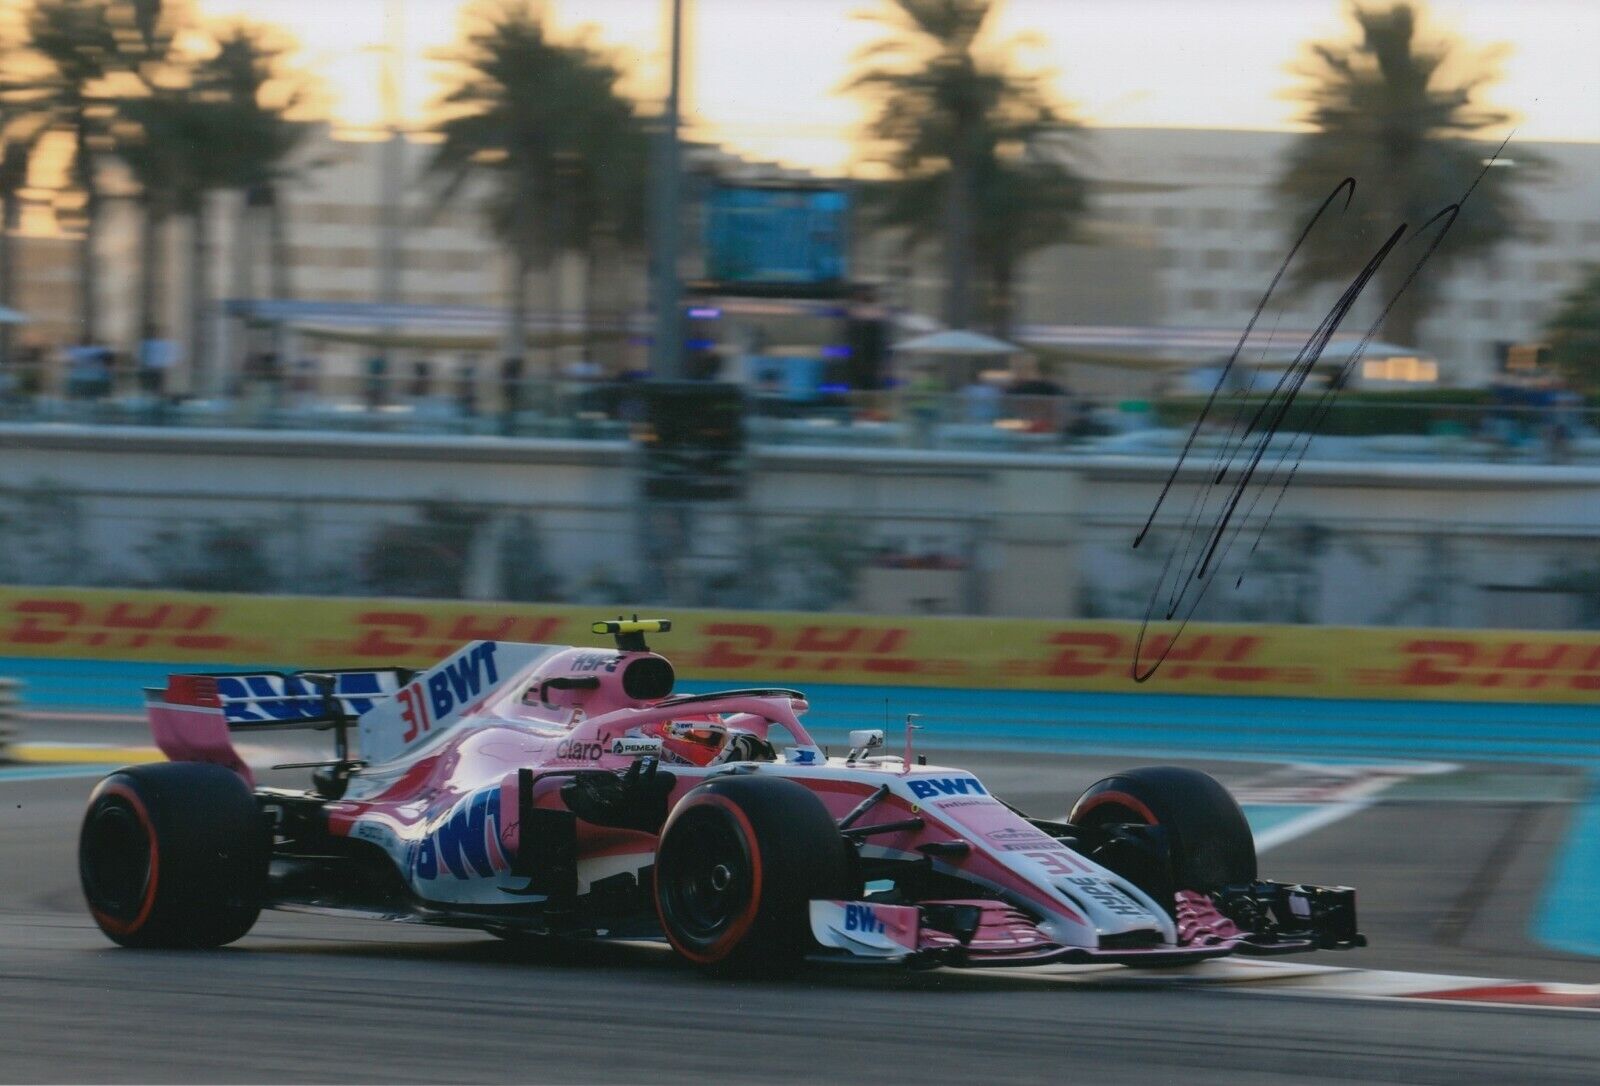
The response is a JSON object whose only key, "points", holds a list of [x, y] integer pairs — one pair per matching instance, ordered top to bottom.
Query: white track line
{"points": [[1310, 822], [1328, 982]]}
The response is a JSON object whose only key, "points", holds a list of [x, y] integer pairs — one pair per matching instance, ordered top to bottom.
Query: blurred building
{"points": [[1185, 233], [46, 287]]}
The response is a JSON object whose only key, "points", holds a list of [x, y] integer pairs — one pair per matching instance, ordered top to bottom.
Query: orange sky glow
{"points": [[763, 75]]}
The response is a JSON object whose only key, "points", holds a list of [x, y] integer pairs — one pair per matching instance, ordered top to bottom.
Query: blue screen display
{"points": [[766, 235]]}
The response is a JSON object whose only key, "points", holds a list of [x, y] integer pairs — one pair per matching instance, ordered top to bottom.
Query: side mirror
{"points": [[866, 739]]}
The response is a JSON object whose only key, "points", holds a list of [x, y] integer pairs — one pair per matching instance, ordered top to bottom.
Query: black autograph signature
{"points": [[1212, 524]]}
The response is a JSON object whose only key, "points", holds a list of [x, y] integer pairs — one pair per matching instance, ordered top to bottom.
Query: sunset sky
{"points": [[763, 74]]}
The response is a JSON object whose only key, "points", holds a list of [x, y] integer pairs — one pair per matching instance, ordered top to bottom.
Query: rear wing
{"points": [[273, 700], [194, 716]]}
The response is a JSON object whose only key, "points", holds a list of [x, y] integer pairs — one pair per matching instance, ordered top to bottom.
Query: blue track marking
{"points": [[1155, 725], [1215, 726], [52, 772], [1263, 817], [1567, 918]]}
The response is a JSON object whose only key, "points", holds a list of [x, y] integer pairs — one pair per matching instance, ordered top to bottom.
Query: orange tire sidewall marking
{"points": [[1121, 799], [153, 876], [742, 924]]}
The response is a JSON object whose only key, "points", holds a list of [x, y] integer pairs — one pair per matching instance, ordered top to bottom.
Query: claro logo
{"points": [[577, 750]]}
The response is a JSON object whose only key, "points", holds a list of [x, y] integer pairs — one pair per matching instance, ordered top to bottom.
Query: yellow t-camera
{"points": [[643, 626], [630, 633]]}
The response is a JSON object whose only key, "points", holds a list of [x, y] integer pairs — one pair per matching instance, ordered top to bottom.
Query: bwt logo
{"points": [[461, 679], [933, 787], [466, 843], [862, 918]]}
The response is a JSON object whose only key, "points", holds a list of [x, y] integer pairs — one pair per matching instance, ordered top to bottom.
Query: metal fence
{"points": [[488, 403]]}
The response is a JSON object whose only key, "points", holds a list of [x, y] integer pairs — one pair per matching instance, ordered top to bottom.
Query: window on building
{"points": [[1166, 216], [1215, 218], [1591, 232], [1218, 258], [1268, 260], [1202, 299], [1486, 309]]}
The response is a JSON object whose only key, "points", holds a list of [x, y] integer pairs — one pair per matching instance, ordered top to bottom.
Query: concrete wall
{"points": [[1351, 543]]}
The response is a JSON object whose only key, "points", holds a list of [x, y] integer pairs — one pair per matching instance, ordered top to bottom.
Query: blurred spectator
{"points": [[157, 356], [30, 370], [88, 371], [272, 377], [577, 378], [421, 379], [262, 381], [377, 381], [303, 382], [467, 387], [510, 393], [923, 394], [1039, 399], [980, 402], [1563, 408], [1504, 427]]}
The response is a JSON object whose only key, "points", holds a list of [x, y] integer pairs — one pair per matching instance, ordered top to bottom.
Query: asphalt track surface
{"points": [[1447, 875]]}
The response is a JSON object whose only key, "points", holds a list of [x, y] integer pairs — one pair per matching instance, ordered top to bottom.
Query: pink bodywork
{"points": [[525, 722], [195, 733]]}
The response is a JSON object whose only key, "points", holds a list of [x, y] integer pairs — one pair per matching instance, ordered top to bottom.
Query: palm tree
{"points": [[64, 75], [262, 95], [1384, 112], [541, 121], [213, 123], [962, 129], [20, 131], [149, 144], [1023, 201], [1574, 333]]}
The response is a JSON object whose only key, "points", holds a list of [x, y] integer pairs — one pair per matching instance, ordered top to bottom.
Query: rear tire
{"points": [[1199, 837], [173, 855], [740, 860]]}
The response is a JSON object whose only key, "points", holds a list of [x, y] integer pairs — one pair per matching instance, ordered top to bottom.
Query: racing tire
{"points": [[1200, 839], [173, 854], [739, 861]]}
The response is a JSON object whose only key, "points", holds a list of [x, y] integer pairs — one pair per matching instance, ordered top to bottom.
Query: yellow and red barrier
{"points": [[766, 648]]}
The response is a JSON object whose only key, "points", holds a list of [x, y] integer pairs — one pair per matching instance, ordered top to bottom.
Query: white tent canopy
{"points": [[954, 341]]}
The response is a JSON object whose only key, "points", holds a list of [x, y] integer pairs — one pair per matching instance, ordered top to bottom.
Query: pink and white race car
{"points": [[538, 791]]}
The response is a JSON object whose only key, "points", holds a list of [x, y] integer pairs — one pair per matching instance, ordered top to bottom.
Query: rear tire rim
{"points": [[116, 859], [709, 882]]}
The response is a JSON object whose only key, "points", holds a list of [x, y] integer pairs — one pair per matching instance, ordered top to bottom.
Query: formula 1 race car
{"points": [[538, 791]]}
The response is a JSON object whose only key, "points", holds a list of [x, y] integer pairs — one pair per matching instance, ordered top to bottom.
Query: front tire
{"points": [[1197, 837], [173, 854], [740, 860]]}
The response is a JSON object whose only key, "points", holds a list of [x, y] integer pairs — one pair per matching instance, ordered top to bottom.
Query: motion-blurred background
{"points": [[387, 298], [861, 338]]}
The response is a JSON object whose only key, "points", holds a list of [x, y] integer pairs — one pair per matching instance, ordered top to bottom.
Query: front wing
{"points": [[1256, 918]]}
